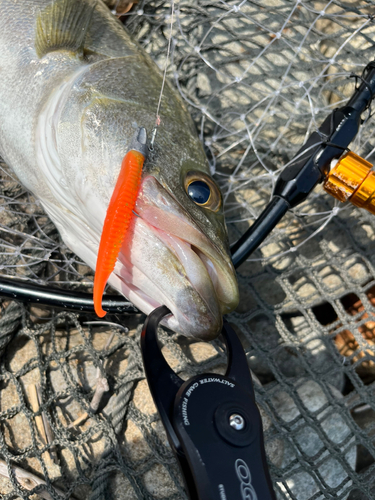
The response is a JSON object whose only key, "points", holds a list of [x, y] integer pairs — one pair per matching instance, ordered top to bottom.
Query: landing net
{"points": [[258, 78]]}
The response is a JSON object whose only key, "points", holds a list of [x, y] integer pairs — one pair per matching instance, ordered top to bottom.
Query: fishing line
{"points": [[157, 119], [251, 240]]}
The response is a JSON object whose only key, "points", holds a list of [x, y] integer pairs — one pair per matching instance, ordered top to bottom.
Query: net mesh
{"points": [[258, 78]]}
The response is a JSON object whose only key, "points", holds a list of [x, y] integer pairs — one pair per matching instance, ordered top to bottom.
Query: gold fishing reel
{"points": [[352, 179]]}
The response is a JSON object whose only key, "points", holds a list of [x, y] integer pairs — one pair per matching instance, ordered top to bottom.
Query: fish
{"points": [[74, 88]]}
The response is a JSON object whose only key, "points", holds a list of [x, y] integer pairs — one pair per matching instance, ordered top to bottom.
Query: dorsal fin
{"points": [[63, 25], [106, 36]]}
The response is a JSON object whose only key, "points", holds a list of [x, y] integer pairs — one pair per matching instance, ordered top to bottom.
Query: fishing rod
{"points": [[350, 179]]}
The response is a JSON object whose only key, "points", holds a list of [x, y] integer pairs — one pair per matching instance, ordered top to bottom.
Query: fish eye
{"points": [[203, 190], [199, 192]]}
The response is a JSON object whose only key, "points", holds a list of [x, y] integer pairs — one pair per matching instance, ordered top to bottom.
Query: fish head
{"points": [[180, 202], [175, 251]]}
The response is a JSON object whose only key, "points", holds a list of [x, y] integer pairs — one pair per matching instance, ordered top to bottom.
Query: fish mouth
{"points": [[166, 260]]}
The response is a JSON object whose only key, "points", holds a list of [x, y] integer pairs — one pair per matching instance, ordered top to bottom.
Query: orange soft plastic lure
{"points": [[119, 214]]}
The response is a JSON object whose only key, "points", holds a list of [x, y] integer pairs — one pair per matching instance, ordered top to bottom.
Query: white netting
{"points": [[258, 77]]}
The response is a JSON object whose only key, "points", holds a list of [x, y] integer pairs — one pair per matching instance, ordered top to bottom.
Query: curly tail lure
{"points": [[119, 214]]}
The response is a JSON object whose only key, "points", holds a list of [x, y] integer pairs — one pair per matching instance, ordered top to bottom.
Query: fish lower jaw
{"points": [[177, 322], [195, 323]]}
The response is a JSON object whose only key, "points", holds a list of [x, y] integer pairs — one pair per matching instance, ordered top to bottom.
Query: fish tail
{"points": [[116, 223]]}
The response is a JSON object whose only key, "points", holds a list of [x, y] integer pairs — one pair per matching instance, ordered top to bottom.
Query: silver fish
{"points": [[73, 85]]}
